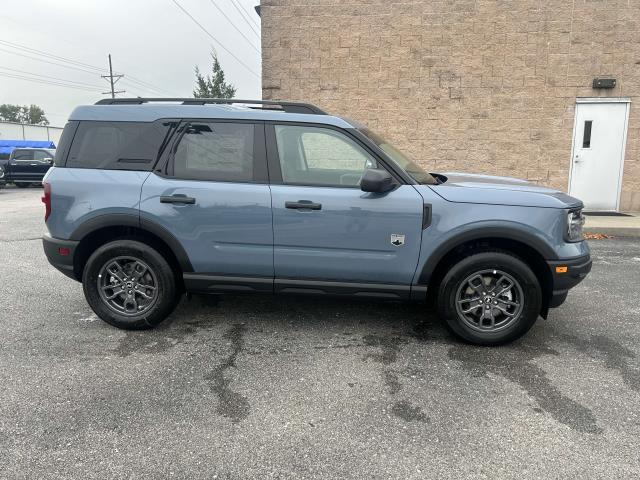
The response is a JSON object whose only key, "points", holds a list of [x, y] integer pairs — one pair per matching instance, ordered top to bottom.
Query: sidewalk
{"points": [[616, 226]]}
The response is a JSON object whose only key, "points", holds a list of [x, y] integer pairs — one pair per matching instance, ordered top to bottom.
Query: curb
{"points": [[615, 231]]}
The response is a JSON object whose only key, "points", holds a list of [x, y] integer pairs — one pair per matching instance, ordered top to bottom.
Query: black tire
{"points": [[22, 184], [487, 265], [165, 296]]}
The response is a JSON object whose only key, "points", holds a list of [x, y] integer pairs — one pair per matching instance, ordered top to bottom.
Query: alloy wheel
{"points": [[128, 285], [489, 300]]}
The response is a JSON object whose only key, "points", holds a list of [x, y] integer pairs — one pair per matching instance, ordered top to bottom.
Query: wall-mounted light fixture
{"points": [[604, 83]]}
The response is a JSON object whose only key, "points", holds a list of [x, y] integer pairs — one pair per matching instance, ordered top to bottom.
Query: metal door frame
{"points": [[582, 100]]}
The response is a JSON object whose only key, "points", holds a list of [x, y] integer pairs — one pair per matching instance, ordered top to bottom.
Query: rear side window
{"points": [[64, 143], [117, 145], [216, 151], [22, 155]]}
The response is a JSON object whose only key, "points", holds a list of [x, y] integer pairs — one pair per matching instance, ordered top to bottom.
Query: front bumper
{"points": [[60, 254], [567, 274]]}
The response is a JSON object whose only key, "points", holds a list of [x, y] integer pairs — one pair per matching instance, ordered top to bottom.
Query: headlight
{"points": [[575, 221]]}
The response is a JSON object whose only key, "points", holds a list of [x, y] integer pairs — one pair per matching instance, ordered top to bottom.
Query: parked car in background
{"points": [[8, 146], [28, 165], [2, 180], [149, 199]]}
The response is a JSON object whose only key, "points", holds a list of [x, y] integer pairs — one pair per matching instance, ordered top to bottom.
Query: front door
{"points": [[598, 152], [20, 165], [213, 197], [330, 236]]}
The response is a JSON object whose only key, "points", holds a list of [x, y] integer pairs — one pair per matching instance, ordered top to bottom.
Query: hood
{"points": [[474, 188]]}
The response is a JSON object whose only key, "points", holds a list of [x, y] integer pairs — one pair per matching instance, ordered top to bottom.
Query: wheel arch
{"points": [[104, 228], [533, 251]]}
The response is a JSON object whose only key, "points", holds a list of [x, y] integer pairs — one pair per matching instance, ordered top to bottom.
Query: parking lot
{"points": [[259, 387]]}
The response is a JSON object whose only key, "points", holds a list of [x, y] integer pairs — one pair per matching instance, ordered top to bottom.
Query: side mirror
{"points": [[49, 160], [376, 180]]}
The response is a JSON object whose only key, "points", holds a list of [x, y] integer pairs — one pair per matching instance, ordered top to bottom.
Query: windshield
{"points": [[416, 172]]}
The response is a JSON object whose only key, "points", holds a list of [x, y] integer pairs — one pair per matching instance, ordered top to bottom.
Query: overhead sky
{"points": [[152, 42]]}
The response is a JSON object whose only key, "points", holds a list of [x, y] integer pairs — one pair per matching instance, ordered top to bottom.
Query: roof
{"points": [[149, 112]]}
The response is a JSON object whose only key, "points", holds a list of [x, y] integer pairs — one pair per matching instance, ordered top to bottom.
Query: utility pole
{"points": [[112, 80]]}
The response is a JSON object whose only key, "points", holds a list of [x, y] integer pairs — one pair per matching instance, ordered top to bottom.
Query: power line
{"points": [[249, 14], [245, 19], [234, 26], [215, 39], [50, 55], [47, 61], [77, 65], [71, 67], [49, 77], [112, 80], [45, 82], [146, 86]]}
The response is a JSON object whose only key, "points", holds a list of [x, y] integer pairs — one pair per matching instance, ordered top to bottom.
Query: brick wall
{"points": [[472, 85]]}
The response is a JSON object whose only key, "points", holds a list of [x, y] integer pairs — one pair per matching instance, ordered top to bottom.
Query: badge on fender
{"points": [[397, 239]]}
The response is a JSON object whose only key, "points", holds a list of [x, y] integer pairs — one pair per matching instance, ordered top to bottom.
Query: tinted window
{"points": [[64, 143], [117, 145], [216, 151], [22, 155], [43, 155], [320, 156]]}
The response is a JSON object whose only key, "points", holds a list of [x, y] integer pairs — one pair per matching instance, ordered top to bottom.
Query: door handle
{"points": [[178, 198], [303, 205]]}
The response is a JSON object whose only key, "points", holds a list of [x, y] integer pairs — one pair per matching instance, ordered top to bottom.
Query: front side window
{"points": [[216, 151], [42, 156], [320, 156], [415, 171]]}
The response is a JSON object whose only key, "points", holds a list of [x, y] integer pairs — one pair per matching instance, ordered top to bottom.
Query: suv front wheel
{"points": [[129, 285], [489, 298]]}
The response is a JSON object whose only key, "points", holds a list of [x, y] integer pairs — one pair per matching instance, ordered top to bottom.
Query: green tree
{"points": [[214, 85], [28, 114]]}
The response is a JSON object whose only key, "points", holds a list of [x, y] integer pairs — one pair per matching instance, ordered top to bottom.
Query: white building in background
{"points": [[18, 131]]}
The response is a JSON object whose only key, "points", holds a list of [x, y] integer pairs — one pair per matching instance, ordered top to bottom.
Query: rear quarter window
{"points": [[65, 142], [117, 145]]}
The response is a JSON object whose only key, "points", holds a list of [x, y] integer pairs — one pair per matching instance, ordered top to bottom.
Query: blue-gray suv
{"points": [[151, 198]]}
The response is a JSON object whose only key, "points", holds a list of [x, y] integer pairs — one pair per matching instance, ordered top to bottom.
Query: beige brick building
{"points": [[490, 86]]}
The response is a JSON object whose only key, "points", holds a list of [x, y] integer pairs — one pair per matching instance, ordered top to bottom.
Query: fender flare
{"points": [[129, 220], [477, 233]]}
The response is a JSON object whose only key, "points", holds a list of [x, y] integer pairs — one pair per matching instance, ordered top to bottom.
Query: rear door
{"points": [[212, 194], [330, 236]]}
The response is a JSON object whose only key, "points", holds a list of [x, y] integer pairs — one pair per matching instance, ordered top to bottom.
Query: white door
{"points": [[599, 135]]}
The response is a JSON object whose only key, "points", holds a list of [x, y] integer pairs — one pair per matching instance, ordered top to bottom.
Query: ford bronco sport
{"points": [[150, 198]]}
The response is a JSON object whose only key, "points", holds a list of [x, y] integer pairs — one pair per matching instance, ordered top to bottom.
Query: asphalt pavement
{"points": [[261, 387]]}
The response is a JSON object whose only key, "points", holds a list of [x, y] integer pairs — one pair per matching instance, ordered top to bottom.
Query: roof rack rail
{"points": [[289, 107]]}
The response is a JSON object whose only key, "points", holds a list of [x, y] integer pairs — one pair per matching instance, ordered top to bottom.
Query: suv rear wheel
{"points": [[129, 285], [489, 298]]}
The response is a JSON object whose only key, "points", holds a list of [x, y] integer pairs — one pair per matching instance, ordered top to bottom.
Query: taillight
{"points": [[46, 199]]}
